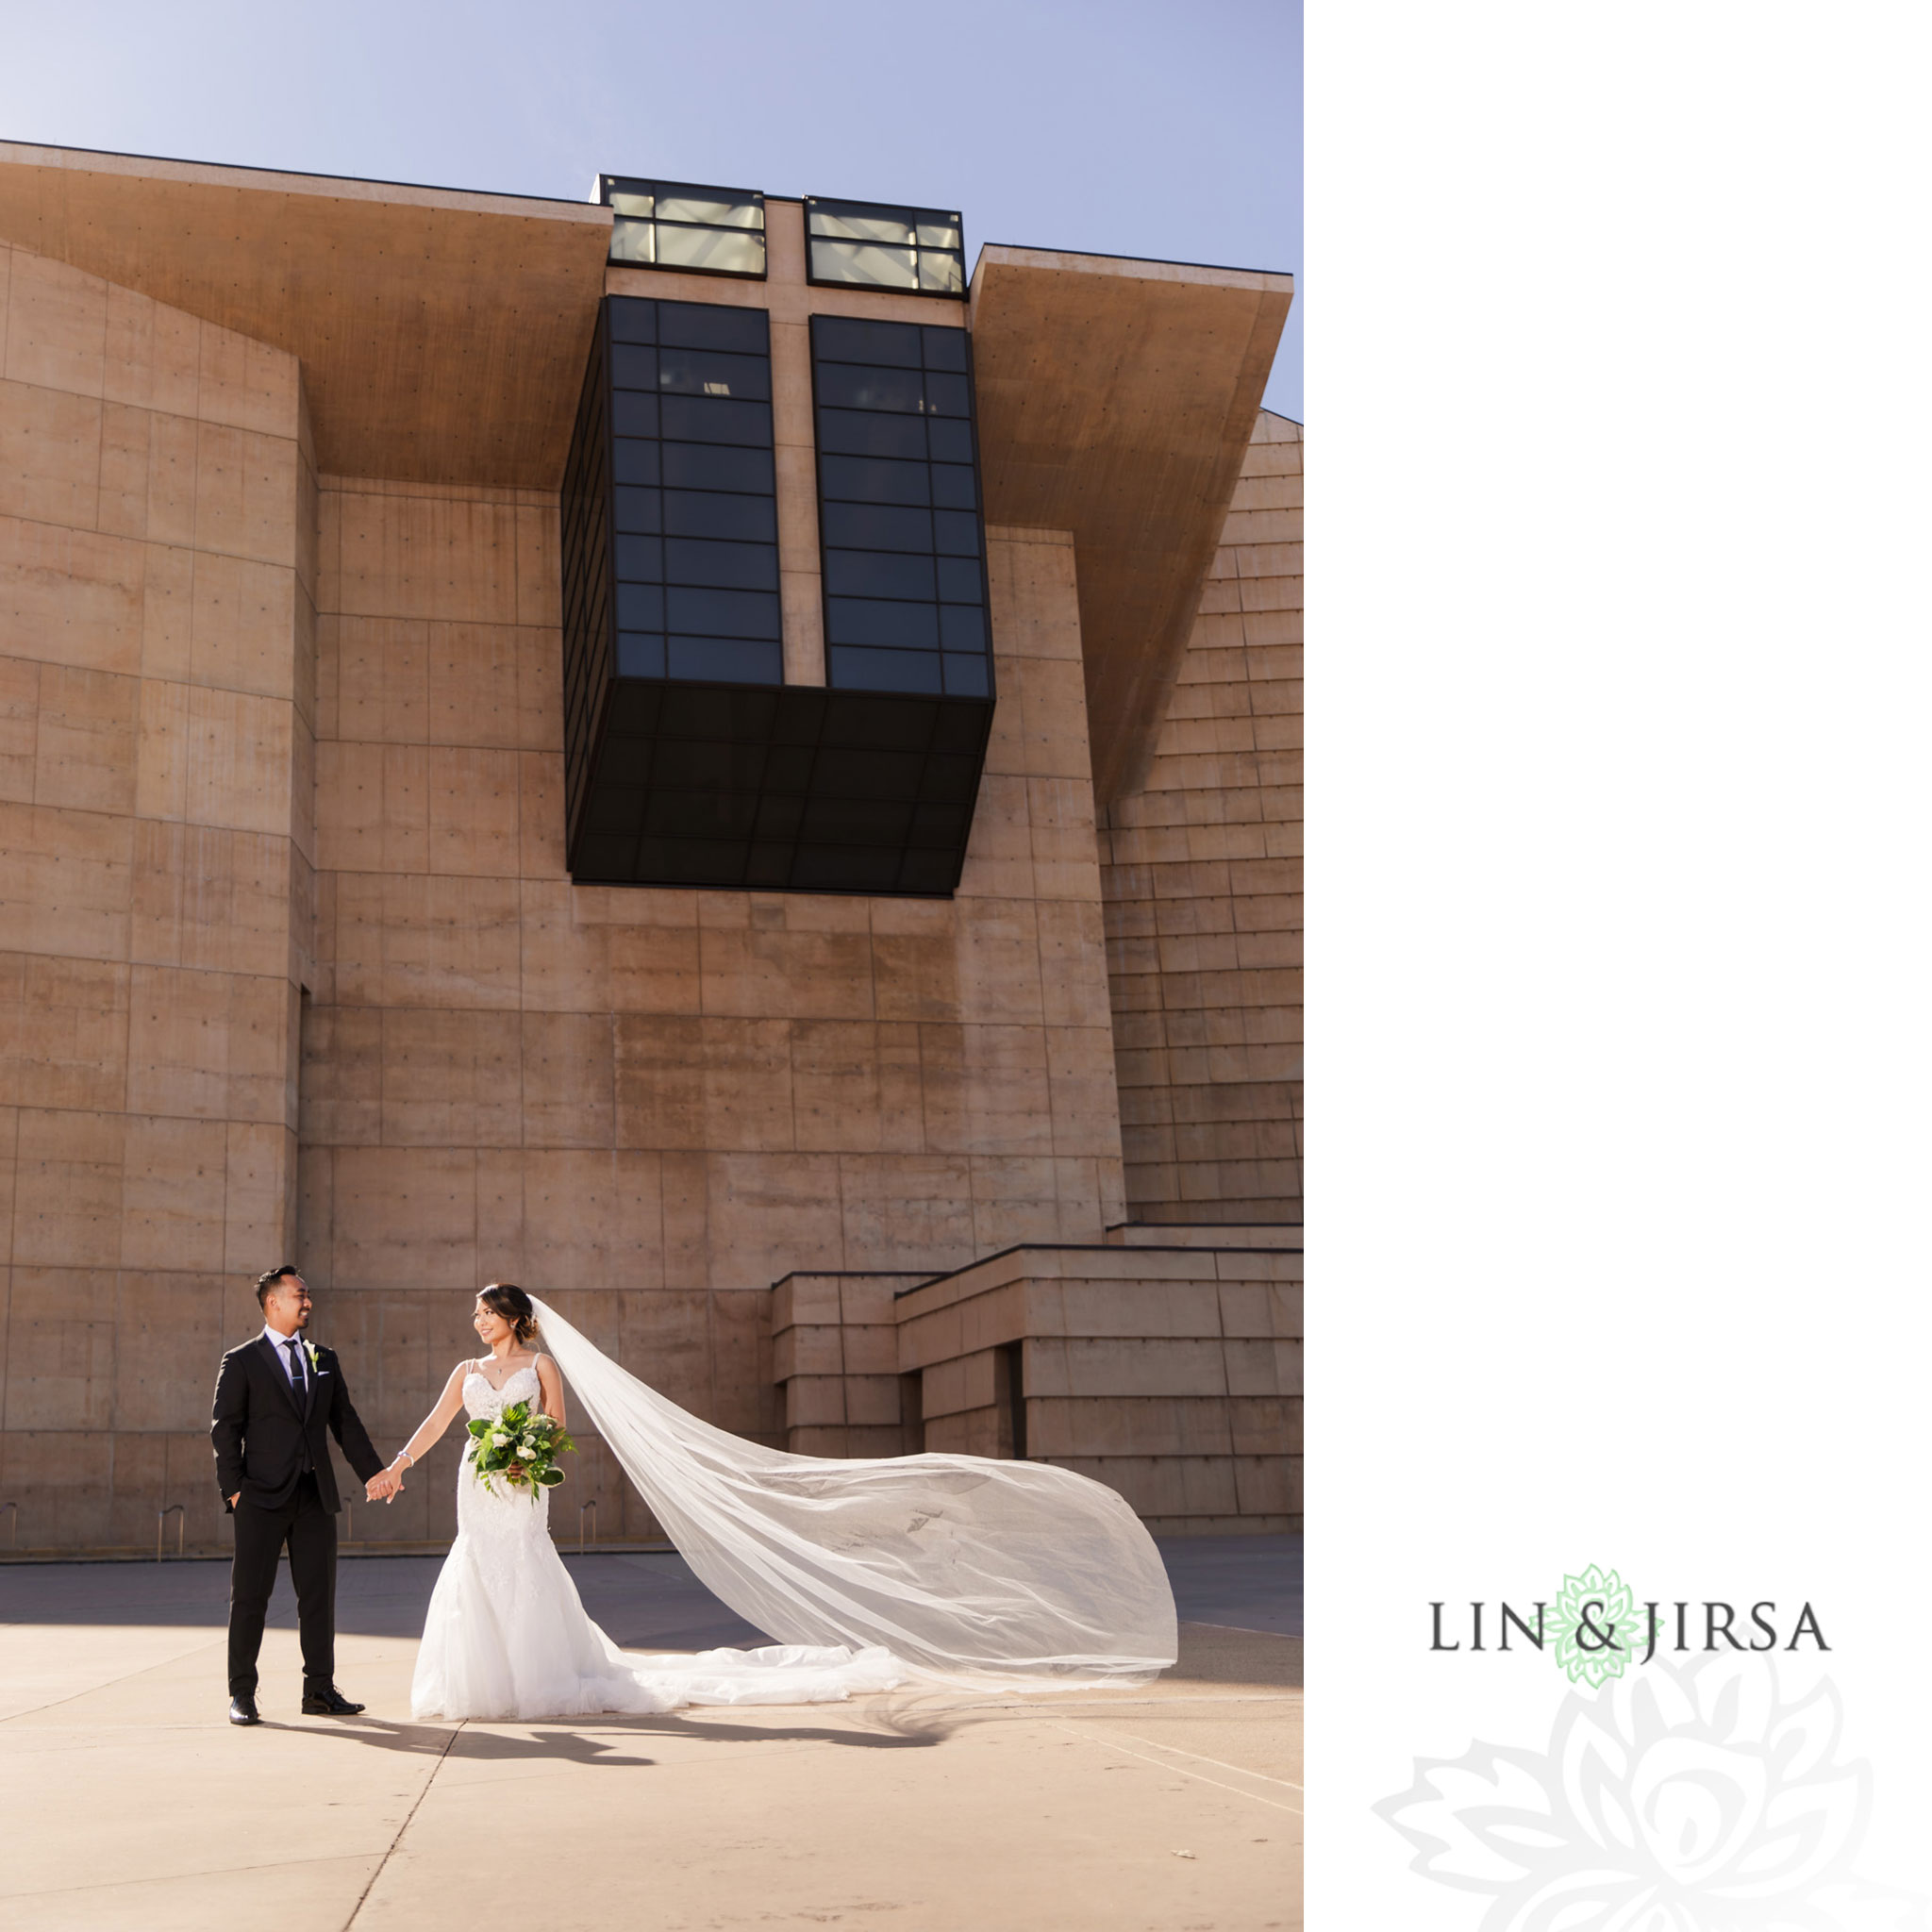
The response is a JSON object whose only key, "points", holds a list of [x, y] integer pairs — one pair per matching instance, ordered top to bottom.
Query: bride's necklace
{"points": [[494, 1357]]}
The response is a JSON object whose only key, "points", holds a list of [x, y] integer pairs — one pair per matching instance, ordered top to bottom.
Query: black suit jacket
{"points": [[266, 1440]]}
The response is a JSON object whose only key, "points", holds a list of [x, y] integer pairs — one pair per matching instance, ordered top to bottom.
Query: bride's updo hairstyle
{"points": [[507, 1299]]}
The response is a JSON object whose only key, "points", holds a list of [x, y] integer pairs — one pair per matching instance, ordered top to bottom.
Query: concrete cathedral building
{"points": [[679, 750]]}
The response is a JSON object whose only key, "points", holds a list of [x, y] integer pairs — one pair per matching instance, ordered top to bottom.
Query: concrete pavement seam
{"points": [[55, 1704], [1181, 1769], [1242, 1770], [382, 1864]]}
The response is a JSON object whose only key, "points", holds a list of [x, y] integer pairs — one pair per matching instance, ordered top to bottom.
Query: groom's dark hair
{"points": [[265, 1284]]}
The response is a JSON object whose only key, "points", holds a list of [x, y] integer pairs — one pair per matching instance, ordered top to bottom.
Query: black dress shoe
{"points": [[328, 1702], [242, 1710]]}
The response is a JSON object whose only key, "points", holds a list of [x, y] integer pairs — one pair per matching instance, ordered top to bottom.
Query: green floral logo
{"points": [[1597, 1627]]}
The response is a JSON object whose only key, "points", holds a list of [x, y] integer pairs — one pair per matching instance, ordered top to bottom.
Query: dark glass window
{"points": [[716, 231], [921, 250], [899, 521], [696, 556], [688, 760]]}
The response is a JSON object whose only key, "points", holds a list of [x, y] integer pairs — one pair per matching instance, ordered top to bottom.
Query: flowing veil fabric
{"points": [[960, 1566]]}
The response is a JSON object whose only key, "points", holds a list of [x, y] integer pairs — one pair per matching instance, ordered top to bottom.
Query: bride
{"points": [[873, 1573]]}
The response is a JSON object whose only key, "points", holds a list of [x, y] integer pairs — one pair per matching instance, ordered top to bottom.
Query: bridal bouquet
{"points": [[520, 1446]]}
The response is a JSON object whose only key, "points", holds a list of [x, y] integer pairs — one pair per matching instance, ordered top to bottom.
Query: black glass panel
{"points": [[632, 320], [711, 326], [846, 340], [633, 368], [688, 372], [845, 385], [946, 395], [633, 413], [716, 419], [872, 436], [951, 441], [634, 460], [692, 466], [856, 480], [952, 486], [639, 509], [708, 513], [876, 527], [956, 532], [640, 560], [729, 566], [877, 573], [960, 580], [902, 581], [640, 607], [722, 613], [871, 621], [962, 627], [638, 656], [736, 658], [865, 669], [967, 676], [701, 712], [688, 759], [698, 764], [788, 767], [873, 773], [616, 809], [709, 814], [780, 816], [857, 821], [939, 825], [690, 861], [846, 869], [926, 872]]}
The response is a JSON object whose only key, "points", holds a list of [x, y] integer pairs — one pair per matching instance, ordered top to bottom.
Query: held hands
{"points": [[385, 1485]]}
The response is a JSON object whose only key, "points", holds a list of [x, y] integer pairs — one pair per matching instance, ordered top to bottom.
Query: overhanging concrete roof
{"points": [[442, 334], [1116, 400]]}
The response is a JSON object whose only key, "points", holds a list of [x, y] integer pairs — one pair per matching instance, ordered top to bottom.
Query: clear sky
{"points": [[1143, 127]]}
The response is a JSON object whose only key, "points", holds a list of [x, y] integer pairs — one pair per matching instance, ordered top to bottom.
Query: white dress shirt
{"points": [[280, 1345]]}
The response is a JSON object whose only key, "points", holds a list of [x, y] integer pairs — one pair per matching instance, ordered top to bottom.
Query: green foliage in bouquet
{"points": [[518, 1446]]}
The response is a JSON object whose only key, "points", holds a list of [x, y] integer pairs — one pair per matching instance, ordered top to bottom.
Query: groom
{"points": [[276, 1397]]}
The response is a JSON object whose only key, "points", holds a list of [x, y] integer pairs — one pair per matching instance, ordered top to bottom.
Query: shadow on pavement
{"points": [[644, 1601], [886, 1730]]}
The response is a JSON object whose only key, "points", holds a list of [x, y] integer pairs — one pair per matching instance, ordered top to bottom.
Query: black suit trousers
{"points": [[309, 1531]]}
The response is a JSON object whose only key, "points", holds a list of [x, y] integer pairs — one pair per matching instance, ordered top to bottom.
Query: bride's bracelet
{"points": [[404, 1456]]}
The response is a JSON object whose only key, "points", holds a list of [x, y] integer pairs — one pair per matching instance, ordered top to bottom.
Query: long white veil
{"points": [[958, 1565]]}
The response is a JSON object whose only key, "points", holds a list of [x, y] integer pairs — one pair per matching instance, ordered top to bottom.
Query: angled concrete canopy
{"points": [[442, 334], [1116, 400]]}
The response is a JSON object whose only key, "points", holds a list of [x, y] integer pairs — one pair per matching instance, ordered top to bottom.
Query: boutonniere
{"points": [[314, 1357]]}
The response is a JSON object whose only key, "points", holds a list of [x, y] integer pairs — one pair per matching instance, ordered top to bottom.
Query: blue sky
{"points": [[1135, 127]]}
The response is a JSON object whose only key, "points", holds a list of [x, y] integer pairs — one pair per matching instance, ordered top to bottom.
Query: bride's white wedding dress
{"points": [[936, 1570], [506, 1635]]}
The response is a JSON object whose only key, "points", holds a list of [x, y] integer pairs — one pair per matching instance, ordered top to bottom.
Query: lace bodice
{"points": [[480, 1398]]}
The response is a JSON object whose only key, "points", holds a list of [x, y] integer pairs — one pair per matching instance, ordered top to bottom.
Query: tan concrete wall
{"points": [[157, 630], [1203, 884], [649, 1105], [835, 1352], [1171, 1374]]}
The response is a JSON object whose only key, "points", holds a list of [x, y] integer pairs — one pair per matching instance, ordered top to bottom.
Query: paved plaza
{"points": [[131, 1802]]}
